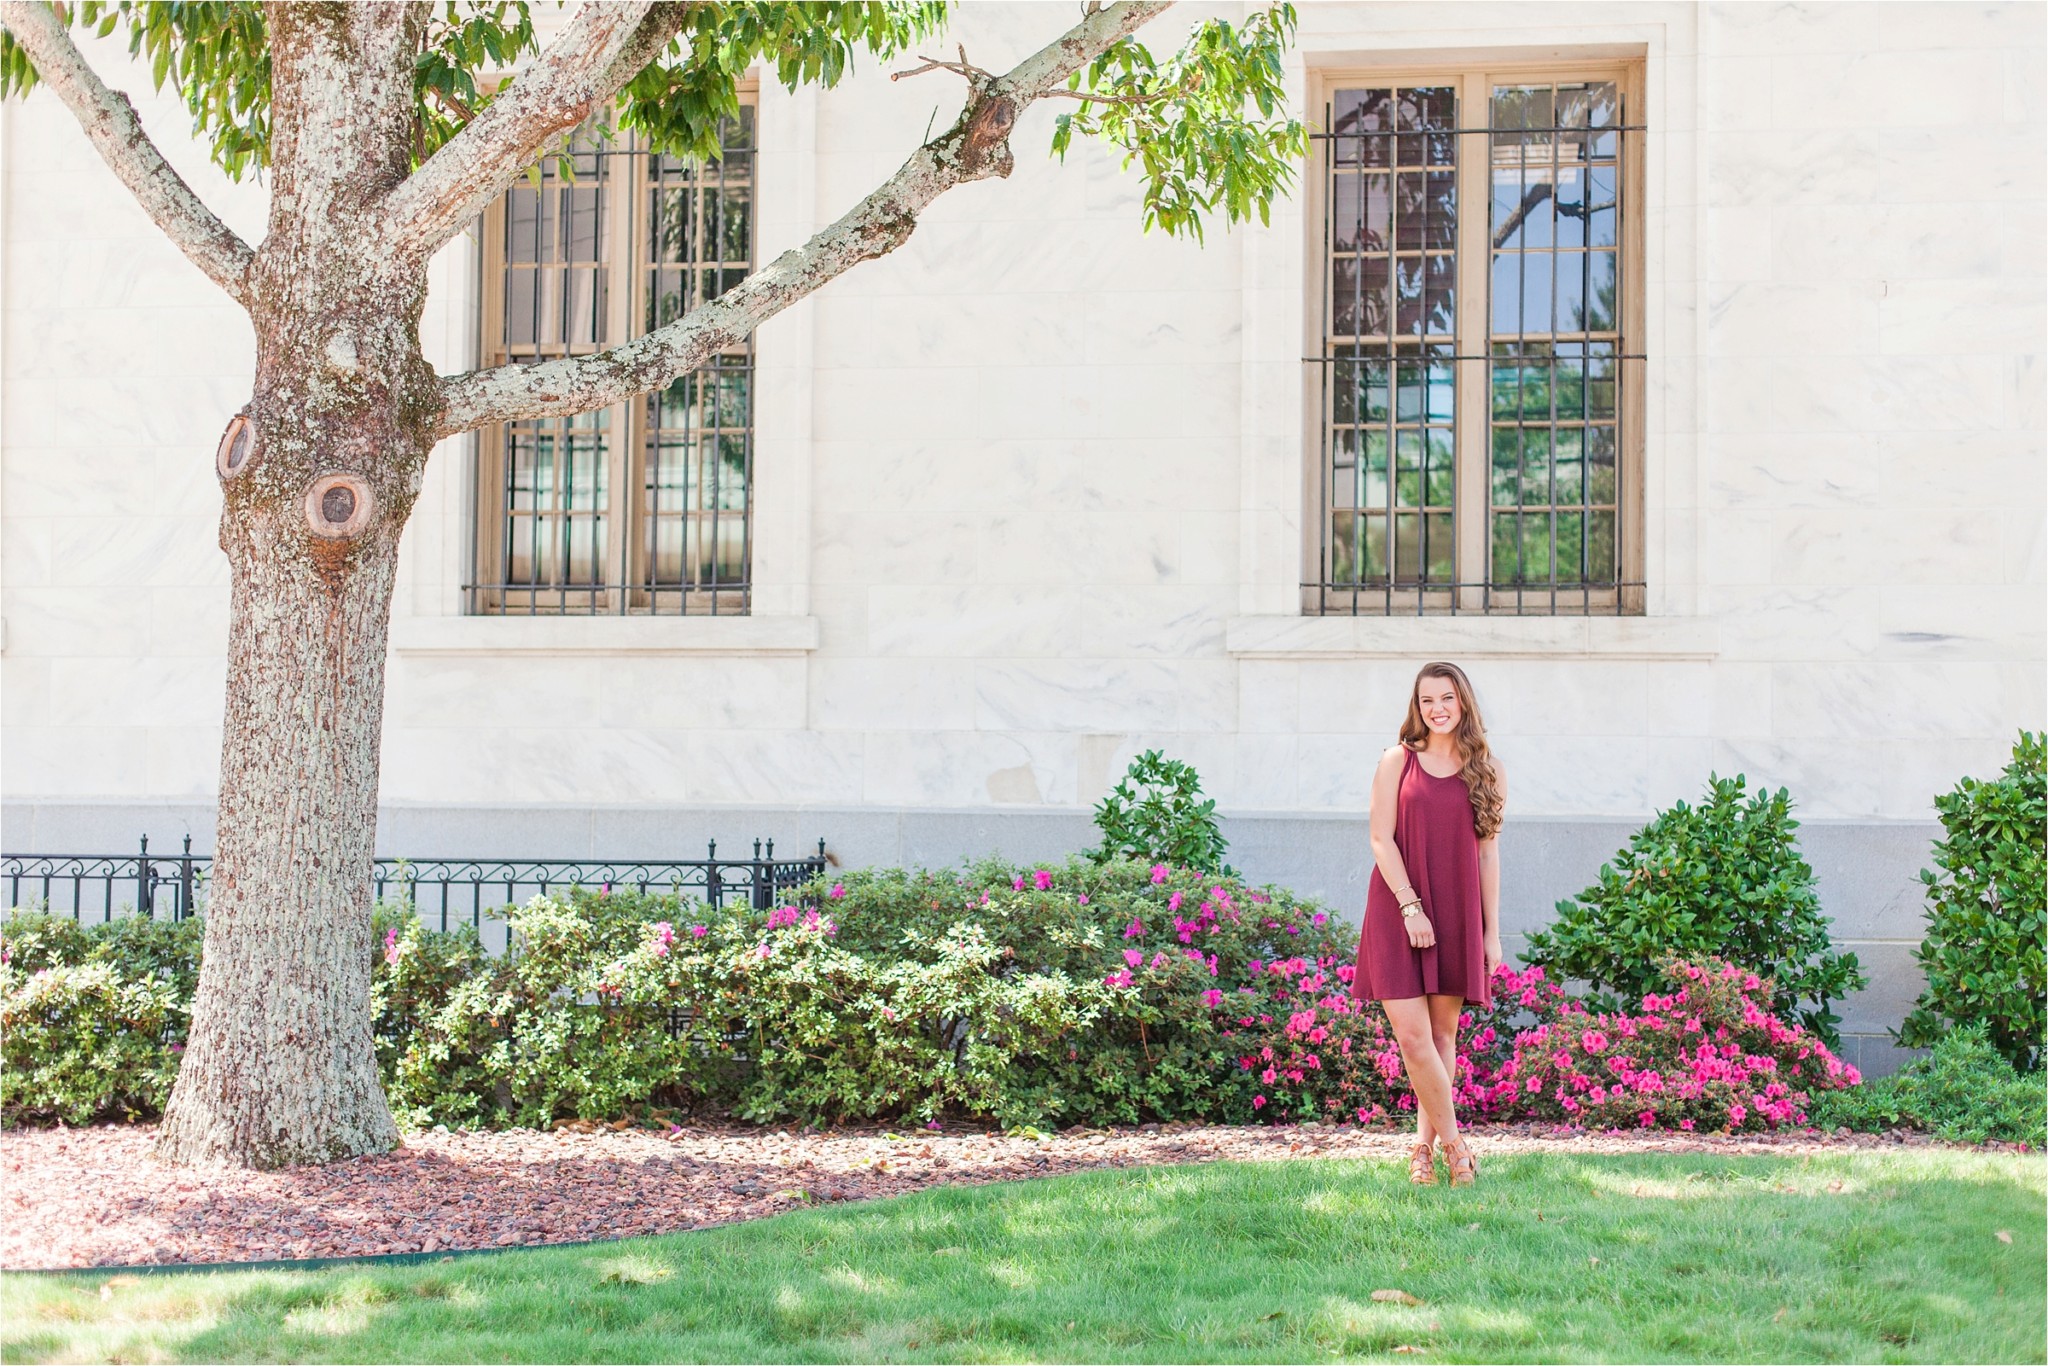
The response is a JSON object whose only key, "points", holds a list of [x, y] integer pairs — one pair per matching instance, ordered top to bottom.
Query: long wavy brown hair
{"points": [[1481, 774]]}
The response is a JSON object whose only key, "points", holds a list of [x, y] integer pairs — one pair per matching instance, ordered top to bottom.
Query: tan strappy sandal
{"points": [[1463, 1162], [1422, 1165]]}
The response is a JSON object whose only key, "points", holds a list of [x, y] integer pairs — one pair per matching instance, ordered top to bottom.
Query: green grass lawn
{"points": [[1555, 1257]]}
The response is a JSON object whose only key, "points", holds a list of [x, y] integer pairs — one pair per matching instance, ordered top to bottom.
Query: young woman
{"points": [[1431, 937]]}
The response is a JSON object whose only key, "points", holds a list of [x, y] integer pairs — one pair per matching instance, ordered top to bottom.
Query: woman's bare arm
{"points": [[1386, 798], [1489, 892]]}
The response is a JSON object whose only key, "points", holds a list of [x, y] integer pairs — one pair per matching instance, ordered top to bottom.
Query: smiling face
{"points": [[1436, 699]]}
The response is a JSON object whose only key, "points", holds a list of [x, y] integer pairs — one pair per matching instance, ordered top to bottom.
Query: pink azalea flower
{"points": [[1159, 871], [1042, 880], [1018, 884], [838, 890], [1173, 901], [698, 931], [391, 946], [1134, 956], [1212, 998], [1258, 1102]]}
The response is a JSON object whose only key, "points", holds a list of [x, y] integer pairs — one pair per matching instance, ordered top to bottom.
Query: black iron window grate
{"points": [[1474, 380]]}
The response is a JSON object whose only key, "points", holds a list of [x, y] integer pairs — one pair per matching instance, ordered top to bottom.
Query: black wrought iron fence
{"points": [[443, 891]]}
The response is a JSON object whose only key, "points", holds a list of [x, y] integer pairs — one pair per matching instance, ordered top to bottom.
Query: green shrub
{"points": [[1156, 814], [1723, 879], [1987, 915], [993, 992], [536, 1034], [81, 1041], [1964, 1091]]}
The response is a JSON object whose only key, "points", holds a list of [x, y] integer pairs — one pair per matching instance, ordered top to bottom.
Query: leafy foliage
{"points": [[464, 41], [214, 53], [217, 57], [678, 102], [1186, 123], [1205, 124], [1157, 813], [1721, 879], [1987, 914], [998, 992], [1087, 993], [92, 1019], [1704, 1054], [1704, 1057], [1964, 1091]]}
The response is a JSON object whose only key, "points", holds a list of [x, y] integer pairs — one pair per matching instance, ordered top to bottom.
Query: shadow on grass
{"points": [[1553, 1257]]}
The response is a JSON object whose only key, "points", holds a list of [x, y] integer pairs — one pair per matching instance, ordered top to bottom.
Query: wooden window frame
{"points": [[1472, 495], [626, 586]]}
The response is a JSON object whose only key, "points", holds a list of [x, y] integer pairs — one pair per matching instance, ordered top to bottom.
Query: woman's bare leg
{"points": [[1443, 1025], [1415, 1032]]}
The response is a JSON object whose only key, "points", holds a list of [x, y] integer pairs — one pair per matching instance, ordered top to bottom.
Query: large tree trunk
{"points": [[279, 1067]]}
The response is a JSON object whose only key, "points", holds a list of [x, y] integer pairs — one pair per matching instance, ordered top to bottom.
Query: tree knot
{"points": [[985, 141]]}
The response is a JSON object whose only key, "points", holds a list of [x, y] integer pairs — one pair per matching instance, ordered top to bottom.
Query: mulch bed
{"points": [[96, 1197]]}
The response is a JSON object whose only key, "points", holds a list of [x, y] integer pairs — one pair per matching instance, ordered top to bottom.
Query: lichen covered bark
{"points": [[279, 1068]]}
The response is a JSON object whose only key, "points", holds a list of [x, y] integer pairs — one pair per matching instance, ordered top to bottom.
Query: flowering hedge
{"points": [[1044, 996], [1705, 1056]]}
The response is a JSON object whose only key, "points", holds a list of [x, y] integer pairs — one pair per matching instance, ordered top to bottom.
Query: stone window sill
{"points": [[604, 635], [1473, 636]]}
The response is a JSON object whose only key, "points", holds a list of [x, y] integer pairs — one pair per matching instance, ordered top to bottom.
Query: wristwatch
{"points": [[1413, 908]]}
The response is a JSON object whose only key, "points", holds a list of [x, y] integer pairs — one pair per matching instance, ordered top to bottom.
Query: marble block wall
{"points": [[1029, 491]]}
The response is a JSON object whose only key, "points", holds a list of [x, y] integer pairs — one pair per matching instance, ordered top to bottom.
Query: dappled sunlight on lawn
{"points": [[1556, 1256], [867, 1284]]}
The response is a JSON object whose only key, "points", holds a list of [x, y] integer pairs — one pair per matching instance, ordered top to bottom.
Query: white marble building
{"points": [[1040, 491]]}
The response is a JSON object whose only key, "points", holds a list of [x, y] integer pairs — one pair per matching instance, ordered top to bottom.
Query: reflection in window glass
{"points": [[667, 235], [1554, 323], [1390, 333]]}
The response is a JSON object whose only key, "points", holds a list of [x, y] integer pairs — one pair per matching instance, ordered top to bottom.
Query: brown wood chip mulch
{"points": [[96, 1197]]}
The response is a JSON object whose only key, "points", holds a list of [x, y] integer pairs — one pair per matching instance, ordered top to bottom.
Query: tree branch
{"points": [[604, 46], [963, 67], [117, 135], [975, 148]]}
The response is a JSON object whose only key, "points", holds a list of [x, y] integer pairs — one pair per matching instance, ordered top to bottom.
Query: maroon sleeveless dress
{"points": [[1434, 830]]}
